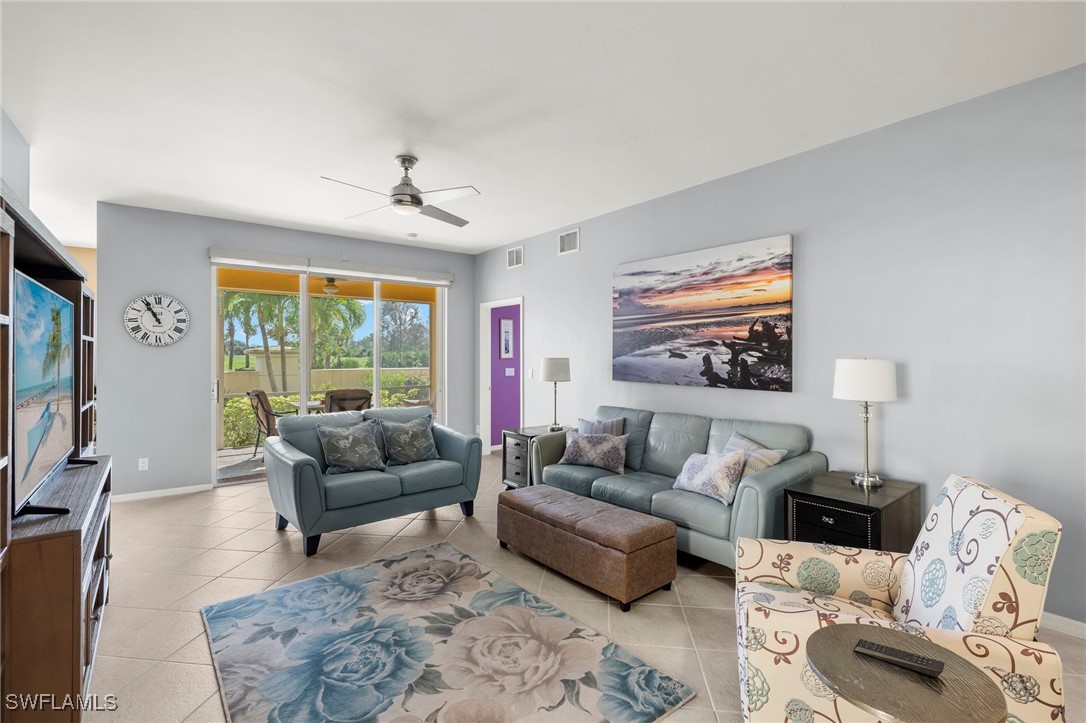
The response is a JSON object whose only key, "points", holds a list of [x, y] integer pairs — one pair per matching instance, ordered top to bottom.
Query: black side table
{"points": [[516, 467], [829, 508]]}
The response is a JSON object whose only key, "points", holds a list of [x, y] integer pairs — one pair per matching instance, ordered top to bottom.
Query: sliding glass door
{"points": [[341, 323], [287, 339], [408, 345], [259, 351]]}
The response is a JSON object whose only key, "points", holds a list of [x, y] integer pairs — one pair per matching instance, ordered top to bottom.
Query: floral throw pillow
{"points": [[600, 426], [407, 442], [351, 449], [606, 451], [757, 456], [712, 475]]}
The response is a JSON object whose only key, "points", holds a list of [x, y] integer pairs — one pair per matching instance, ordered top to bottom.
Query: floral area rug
{"points": [[430, 636]]}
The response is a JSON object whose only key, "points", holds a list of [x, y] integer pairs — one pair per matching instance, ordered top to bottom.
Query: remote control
{"points": [[905, 659]]}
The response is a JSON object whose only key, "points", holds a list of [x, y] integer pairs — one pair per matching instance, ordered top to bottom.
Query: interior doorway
{"points": [[501, 368]]}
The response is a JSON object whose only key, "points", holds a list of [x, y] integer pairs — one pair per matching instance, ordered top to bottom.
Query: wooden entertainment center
{"points": [[54, 569]]}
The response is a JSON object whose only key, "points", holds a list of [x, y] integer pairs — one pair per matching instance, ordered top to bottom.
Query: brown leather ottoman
{"points": [[621, 553]]}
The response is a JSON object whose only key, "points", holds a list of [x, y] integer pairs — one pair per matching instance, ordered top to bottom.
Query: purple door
{"points": [[504, 370]]}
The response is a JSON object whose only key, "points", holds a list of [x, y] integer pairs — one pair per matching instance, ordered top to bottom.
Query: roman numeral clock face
{"points": [[156, 320]]}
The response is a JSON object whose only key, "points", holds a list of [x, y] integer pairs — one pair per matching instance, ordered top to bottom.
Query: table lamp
{"points": [[554, 369], [865, 381]]}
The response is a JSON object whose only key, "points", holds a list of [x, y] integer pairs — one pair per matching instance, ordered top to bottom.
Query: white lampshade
{"points": [[554, 369], [865, 380]]}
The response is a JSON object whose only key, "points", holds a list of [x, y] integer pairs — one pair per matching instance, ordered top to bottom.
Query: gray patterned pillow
{"points": [[600, 426], [407, 442], [351, 449], [605, 451], [757, 456], [712, 475]]}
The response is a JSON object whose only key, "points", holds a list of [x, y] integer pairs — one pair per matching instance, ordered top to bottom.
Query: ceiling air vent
{"points": [[569, 242], [514, 257]]}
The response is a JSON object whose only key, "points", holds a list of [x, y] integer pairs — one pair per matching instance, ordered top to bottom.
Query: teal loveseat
{"points": [[659, 444], [315, 502]]}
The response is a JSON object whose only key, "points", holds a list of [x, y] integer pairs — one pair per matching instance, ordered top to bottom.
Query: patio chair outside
{"points": [[347, 400]]}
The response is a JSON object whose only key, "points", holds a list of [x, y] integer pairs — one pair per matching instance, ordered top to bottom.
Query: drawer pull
{"points": [[517, 457], [516, 473], [827, 520]]}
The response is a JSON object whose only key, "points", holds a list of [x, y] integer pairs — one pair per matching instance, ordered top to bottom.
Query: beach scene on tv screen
{"points": [[43, 384]]}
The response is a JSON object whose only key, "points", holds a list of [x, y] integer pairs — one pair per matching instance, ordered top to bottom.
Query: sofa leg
{"points": [[468, 508], [280, 522], [503, 544], [310, 545], [666, 587], [625, 607]]}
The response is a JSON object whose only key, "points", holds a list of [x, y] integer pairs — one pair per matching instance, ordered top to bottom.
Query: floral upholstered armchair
{"points": [[974, 582]]}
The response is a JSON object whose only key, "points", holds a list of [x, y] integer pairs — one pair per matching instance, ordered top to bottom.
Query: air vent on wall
{"points": [[569, 242], [514, 257]]}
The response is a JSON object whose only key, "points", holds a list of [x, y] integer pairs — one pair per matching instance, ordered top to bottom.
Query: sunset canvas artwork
{"points": [[719, 317]]}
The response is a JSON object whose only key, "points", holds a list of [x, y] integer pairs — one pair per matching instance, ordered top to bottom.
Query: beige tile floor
{"points": [[175, 554]]}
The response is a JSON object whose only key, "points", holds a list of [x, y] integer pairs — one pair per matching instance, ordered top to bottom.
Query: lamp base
{"points": [[555, 428], [867, 479]]}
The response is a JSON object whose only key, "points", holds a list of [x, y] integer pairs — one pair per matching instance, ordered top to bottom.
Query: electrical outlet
{"points": [[531, 373], [145, 464]]}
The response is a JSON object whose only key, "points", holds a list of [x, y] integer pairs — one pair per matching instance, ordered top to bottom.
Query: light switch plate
{"points": [[510, 372]]}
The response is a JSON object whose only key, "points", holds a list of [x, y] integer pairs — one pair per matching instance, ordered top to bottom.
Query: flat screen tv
{"points": [[44, 403]]}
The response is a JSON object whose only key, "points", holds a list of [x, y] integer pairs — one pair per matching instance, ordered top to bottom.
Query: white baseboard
{"points": [[131, 496], [1064, 625]]}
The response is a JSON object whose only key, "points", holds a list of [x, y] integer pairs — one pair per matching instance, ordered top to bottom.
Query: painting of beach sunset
{"points": [[720, 317], [43, 384]]}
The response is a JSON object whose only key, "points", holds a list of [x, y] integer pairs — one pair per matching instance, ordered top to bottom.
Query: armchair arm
{"points": [[462, 448], [546, 449], [295, 483], [758, 509], [872, 577], [1029, 673]]}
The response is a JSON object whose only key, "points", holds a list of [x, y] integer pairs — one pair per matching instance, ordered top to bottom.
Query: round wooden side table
{"points": [[961, 693]]}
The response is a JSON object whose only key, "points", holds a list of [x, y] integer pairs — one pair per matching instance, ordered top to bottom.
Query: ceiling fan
{"points": [[407, 200]]}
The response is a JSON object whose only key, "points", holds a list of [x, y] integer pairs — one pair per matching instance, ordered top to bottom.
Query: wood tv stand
{"points": [[59, 571]]}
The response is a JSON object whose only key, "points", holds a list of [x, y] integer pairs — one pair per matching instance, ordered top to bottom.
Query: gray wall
{"points": [[14, 158], [952, 243], [157, 403]]}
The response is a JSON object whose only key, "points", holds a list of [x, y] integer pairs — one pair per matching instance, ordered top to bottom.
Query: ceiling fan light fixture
{"points": [[405, 208], [330, 287]]}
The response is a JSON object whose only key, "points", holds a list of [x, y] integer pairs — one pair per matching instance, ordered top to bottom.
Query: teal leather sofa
{"points": [[658, 446], [315, 503]]}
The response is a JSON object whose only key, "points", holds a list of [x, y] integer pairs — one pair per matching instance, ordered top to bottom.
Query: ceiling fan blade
{"points": [[333, 180], [445, 195], [365, 212], [436, 213]]}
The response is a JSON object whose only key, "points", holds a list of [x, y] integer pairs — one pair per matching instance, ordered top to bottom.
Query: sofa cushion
{"points": [[601, 426], [636, 426], [300, 432], [771, 435], [672, 439], [407, 442], [354, 449], [605, 451], [429, 475], [713, 475], [573, 478], [359, 488], [633, 491], [694, 512]]}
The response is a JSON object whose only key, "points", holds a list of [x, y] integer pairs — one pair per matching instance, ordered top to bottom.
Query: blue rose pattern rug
{"points": [[430, 636]]}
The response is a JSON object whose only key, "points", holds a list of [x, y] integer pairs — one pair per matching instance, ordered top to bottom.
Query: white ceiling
{"points": [[555, 112]]}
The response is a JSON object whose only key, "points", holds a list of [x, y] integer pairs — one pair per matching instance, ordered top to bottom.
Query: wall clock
{"points": [[156, 319]]}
